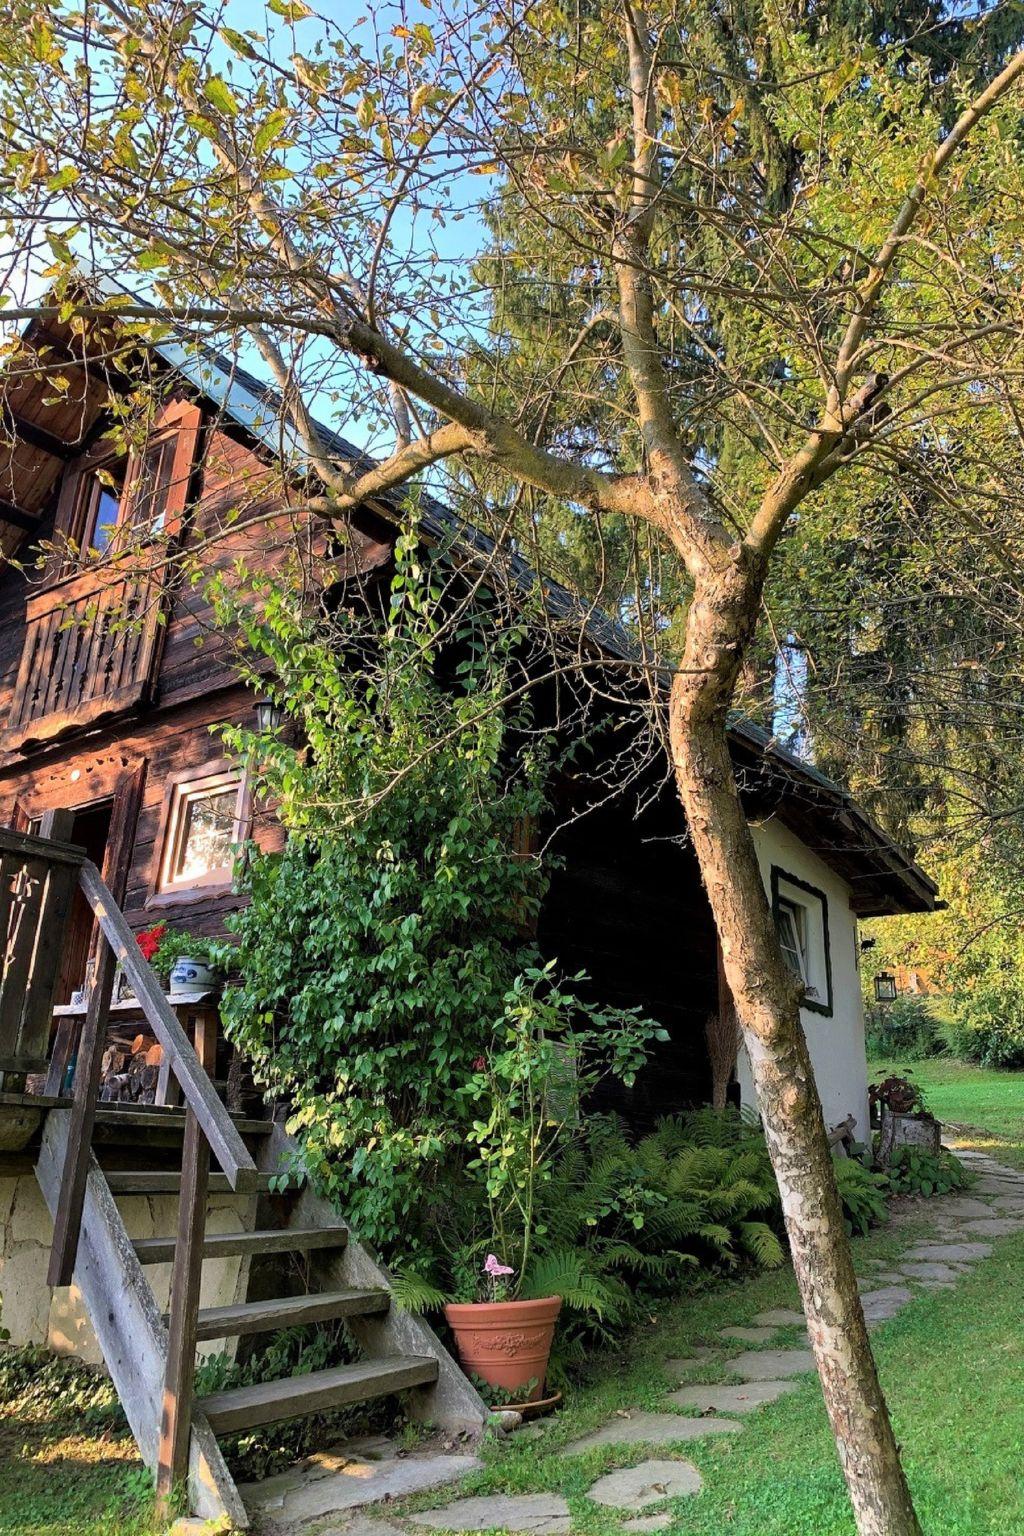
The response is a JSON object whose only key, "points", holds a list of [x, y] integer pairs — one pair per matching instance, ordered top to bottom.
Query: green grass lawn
{"points": [[976, 1096], [951, 1365], [67, 1460]]}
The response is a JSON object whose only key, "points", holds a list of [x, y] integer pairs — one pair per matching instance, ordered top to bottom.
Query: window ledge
{"points": [[189, 895]]}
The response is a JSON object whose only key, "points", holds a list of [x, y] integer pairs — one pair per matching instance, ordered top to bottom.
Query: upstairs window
{"points": [[144, 492], [100, 499], [98, 505], [205, 821], [801, 924]]}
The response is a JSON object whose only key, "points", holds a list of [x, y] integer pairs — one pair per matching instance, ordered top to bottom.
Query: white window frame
{"points": [[182, 791], [803, 907]]}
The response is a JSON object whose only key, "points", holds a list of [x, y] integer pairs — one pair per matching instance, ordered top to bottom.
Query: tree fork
{"points": [[721, 621]]}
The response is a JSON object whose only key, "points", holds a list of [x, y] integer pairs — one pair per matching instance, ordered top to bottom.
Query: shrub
{"points": [[382, 955], [986, 1023], [906, 1029], [914, 1171], [863, 1195]]}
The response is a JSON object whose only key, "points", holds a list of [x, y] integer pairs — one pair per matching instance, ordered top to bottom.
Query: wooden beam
{"points": [[38, 437], [9, 513], [67, 1220], [186, 1279]]}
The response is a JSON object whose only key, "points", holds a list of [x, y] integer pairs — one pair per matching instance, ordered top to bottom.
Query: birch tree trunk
{"points": [[767, 1003]]}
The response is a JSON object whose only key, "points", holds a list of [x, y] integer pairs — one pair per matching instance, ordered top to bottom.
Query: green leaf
{"points": [[220, 95], [269, 131]]}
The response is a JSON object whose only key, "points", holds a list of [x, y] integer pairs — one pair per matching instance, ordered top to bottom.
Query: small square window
{"points": [[205, 822]]}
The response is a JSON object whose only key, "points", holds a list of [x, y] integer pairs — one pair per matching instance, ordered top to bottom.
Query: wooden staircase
{"points": [[93, 1158]]}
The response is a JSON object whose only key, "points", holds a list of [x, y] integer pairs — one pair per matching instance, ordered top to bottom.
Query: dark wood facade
{"points": [[111, 680]]}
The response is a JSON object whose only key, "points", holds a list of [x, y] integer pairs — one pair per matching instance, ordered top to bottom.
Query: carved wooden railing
{"points": [[91, 648], [37, 876]]}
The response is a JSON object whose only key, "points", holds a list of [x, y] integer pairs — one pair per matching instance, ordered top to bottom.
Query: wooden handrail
{"points": [[32, 847], [199, 1093]]}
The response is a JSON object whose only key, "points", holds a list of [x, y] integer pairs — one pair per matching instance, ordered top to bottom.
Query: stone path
{"points": [[964, 1226]]}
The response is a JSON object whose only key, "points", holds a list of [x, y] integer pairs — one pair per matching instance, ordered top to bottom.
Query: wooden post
{"points": [[61, 1053], [68, 1219], [186, 1278]]}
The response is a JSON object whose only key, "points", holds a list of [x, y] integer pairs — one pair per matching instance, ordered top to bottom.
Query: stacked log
{"points": [[130, 1070]]}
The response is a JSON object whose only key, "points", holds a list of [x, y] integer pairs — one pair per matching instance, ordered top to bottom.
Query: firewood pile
{"points": [[129, 1071]]}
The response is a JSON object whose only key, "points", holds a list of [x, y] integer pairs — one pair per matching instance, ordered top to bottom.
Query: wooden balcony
{"points": [[91, 649]]}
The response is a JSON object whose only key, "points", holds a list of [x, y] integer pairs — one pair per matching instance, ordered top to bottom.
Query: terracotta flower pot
{"points": [[505, 1343]]}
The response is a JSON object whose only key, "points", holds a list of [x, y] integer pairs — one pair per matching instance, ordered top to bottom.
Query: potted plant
{"points": [[186, 962], [525, 1101], [903, 1116], [505, 1340]]}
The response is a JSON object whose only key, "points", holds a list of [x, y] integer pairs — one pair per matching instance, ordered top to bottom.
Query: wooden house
{"points": [[112, 676]]}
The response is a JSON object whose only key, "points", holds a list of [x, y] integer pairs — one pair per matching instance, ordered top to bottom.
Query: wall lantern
{"points": [[268, 714], [885, 987]]}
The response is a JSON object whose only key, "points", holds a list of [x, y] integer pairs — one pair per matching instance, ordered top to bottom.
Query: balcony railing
{"points": [[91, 649]]}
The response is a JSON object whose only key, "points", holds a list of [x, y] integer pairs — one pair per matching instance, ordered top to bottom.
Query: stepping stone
{"points": [[987, 1185], [1013, 1203], [961, 1207], [995, 1226], [948, 1253], [940, 1273], [887, 1277], [885, 1303], [780, 1317], [748, 1335], [700, 1357], [771, 1364], [722, 1397], [651, 1429], [346, 1476], [648, 1483], [535, 1514], [649, 1522], [362, 1525]]}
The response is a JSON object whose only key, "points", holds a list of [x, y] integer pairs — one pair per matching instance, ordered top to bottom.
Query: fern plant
{"points": [[621, 1223]]}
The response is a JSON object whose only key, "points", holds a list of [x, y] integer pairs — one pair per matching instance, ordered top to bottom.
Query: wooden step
{"points": [[140, 1115], [146, 1116], [158, 1182], [226, 1245], [289, 1312], [294, 1396]]}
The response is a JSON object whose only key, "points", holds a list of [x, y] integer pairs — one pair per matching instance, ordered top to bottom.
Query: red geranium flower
{"points": [[149, 940]]}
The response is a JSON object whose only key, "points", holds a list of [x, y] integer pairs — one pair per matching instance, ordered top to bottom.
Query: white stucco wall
{"points": [[836, 1043], [33, 1313]]}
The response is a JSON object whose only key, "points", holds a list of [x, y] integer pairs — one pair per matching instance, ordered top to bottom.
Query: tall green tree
{"points": [[754, 258]]}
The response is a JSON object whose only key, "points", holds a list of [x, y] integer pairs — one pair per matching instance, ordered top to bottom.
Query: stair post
{"points": [[186, 1279]]}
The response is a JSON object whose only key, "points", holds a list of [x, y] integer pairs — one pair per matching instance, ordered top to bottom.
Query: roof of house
{"points": [[883, 878]]}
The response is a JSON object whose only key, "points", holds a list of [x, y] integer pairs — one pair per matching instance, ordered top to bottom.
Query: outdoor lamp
{"points": [[268, 714], [885, 987]]}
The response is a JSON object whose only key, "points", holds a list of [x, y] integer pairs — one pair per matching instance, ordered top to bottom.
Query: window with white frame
{"points": [[205, 820], [801, 923], [792, 931]]}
